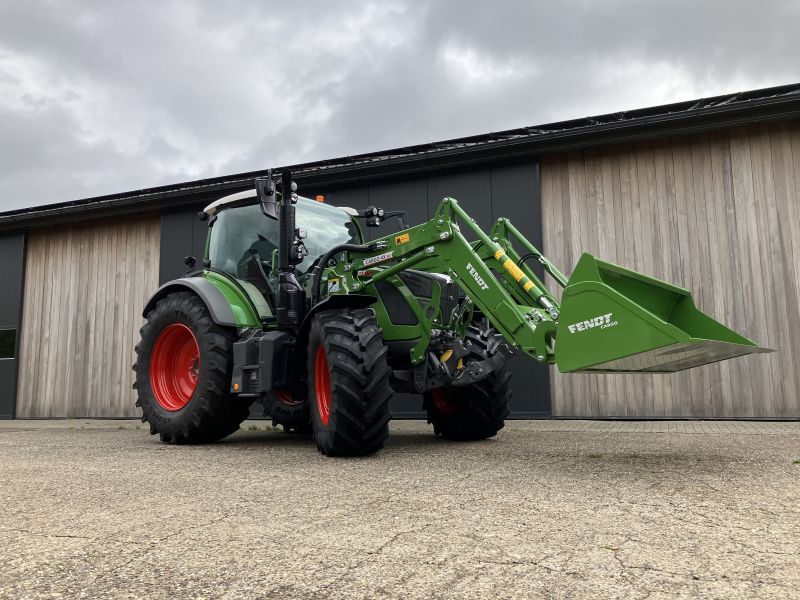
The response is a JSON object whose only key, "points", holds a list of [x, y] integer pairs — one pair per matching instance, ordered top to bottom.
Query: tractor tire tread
{"points": [[359, 383], [482, 407], [212, 413]]}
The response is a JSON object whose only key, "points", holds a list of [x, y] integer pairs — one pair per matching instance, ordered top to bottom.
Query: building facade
{"points": [[703, 194]]}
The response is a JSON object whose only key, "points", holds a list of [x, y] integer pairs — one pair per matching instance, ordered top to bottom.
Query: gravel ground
{"points": [[546, 509]]}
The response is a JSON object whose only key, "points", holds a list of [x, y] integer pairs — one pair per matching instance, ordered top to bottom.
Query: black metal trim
{"points": [[770, 104], [539, 234], [20, 312]]}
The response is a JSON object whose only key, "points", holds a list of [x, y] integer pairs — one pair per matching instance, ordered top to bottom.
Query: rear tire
{"points": [[183, 373], [348, 380], [476, 411]]}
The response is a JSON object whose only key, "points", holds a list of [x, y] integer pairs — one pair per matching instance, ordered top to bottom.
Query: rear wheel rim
{"points": [[174, 366], [322, 384], [286, 398], [443, 401]]}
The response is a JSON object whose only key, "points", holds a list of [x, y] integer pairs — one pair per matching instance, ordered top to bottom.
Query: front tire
{"points": [[183, 372], [348, 379], [476, 411], [293, 415]]}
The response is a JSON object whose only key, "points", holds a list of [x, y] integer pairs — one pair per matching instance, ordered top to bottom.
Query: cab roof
{"points": [[225, 201], [217, 205]]}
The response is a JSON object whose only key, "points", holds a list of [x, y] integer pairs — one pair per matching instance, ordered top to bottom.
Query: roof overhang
{"points": [[758, 106]]}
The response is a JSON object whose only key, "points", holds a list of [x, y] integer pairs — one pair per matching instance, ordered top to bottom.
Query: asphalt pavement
{"points": [[558, 509]]}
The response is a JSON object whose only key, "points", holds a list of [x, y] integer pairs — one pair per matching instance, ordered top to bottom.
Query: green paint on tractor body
{"points": [[247, 303]]}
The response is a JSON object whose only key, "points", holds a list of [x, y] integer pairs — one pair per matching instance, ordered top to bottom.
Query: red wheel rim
{"points": [[174, 366], [322, 385], [286, 398], [443, 401]]}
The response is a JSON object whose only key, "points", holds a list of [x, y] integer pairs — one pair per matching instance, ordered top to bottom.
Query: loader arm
{"points": [[516, 304], [611, 319]]}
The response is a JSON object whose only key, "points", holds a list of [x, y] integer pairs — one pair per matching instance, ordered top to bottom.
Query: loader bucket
{"points": [[616, 320]]}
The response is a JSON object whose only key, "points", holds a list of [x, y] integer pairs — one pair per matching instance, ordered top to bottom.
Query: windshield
{"points": [[242, 231]]}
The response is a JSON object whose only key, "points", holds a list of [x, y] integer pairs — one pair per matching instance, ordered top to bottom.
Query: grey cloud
{"points": [[100, 97]]}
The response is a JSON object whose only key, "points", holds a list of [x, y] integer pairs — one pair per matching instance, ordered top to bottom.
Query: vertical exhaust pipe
{"points": [[286, 252], [291, 297]]}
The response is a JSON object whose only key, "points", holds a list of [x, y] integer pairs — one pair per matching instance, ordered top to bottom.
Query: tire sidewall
{"points": [[175, 309], [295, 417], [323, 434]]}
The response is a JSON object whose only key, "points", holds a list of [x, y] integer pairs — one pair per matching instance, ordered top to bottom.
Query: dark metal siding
{"points": [[488, 193], [409, 195], [516, 195], [182, 234], [12, 272]]}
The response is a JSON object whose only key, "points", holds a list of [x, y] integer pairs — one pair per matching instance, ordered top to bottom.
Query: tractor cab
{"points": [[243, 242]]}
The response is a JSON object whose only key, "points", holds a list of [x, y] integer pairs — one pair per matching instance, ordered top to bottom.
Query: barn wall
{"points": [[718, 214], [85, 287]]}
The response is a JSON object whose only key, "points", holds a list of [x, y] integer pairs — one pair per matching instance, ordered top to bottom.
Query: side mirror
{"points": [[265, 189]]}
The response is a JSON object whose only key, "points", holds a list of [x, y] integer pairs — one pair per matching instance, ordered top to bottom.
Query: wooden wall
{"points": [[718, 214], [85, 287]]}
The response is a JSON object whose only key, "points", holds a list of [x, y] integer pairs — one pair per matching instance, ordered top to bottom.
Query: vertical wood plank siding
{"points": [[718, 214], [85, 287]]}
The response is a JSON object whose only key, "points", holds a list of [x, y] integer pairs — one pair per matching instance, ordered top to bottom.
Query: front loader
{"points": [[290, 306]]}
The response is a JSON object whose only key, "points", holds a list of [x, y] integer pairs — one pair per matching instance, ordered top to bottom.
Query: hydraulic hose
{"points": [[315, 288]]}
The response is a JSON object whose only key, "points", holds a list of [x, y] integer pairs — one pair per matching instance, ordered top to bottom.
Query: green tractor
{"points": [[322, 326]]}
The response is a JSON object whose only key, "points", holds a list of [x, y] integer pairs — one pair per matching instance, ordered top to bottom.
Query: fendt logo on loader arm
{"points": [[477, 277], [603, 322]]}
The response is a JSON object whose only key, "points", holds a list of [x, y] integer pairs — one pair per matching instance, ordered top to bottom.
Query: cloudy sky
{"points": [[99, 97]]}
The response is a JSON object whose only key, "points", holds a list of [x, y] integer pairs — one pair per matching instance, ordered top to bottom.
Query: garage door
{"points": [[85, 286]]}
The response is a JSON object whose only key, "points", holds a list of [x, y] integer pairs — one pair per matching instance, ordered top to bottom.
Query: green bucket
{"points": [[616, 320]]}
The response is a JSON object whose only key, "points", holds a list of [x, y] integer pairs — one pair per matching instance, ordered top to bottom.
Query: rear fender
{"points": [[217, 305]]}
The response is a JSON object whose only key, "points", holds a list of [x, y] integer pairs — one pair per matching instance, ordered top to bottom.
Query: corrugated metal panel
{"points": [[12, 257]]}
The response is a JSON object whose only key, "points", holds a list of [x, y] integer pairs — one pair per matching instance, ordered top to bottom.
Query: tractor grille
{"points": [[421, 285], [449, 300]]}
